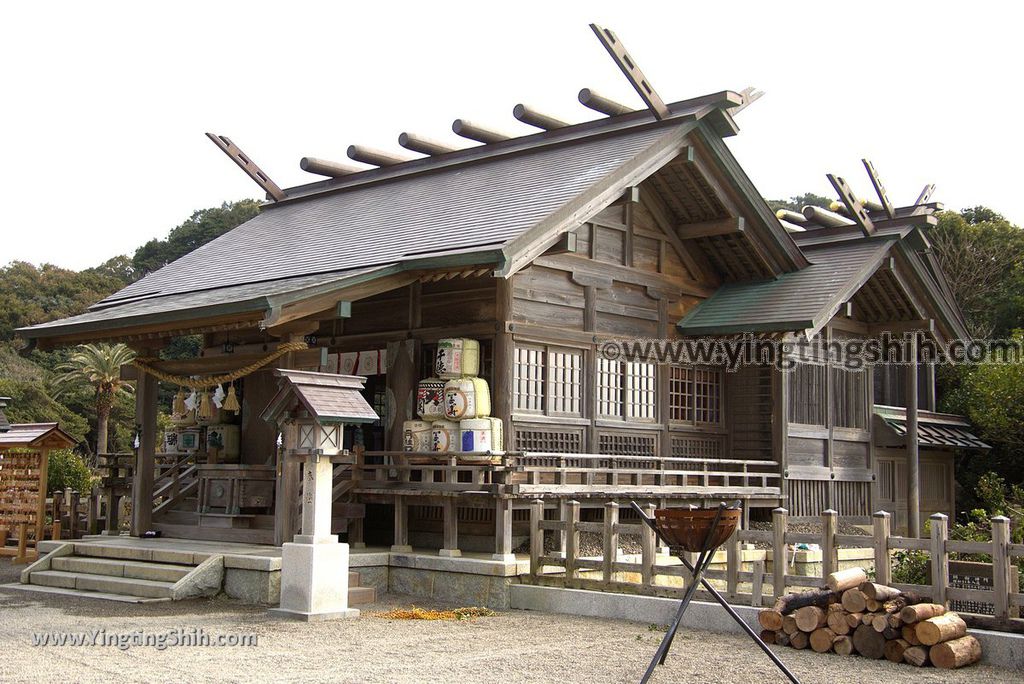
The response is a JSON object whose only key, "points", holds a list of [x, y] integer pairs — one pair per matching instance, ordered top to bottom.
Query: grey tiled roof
{"points": [[792, 302], [328, 397]]}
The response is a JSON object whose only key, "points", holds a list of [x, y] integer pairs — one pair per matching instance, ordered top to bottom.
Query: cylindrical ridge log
{"points": [[599, 103], [529, 115], [468, 129], [423, 144], [368, 155], [325, 167], [829, 220], [842, 580], [879, 592], [854, 601], [921, 611], [810, 618], [940, 628], [821, 640], [868, 642], [843, 645], [894, 650], [957, 653], [916, 656]]}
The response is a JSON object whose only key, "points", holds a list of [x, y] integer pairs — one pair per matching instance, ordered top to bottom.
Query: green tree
{"points": [[798, 202], [202, 227], [99, 366]]}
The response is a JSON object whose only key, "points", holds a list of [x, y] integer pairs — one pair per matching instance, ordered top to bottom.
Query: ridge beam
{"points": [[591, 99], [532, 117], [468, 129], [423, 144], [375, 157], [325, 167]]}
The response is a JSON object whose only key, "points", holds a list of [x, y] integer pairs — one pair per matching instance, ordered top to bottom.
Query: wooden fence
{"points": [[651, 573]]}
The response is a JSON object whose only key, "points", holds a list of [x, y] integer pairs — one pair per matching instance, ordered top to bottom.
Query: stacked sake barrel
{"points": [[454, 406]]}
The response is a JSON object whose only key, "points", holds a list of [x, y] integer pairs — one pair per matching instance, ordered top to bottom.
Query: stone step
{"points": [[160, 572], [353, 579], [102, 583], [75, 593], [358, 596]]}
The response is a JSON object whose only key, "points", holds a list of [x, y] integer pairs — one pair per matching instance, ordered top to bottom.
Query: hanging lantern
{"points": [[231, 401], [205, 406], [178, 407]]}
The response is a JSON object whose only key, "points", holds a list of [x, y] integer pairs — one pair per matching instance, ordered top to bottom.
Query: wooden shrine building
{"points": [[544, 247]]}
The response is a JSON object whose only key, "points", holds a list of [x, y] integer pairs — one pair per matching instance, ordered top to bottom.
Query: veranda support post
{"points": [[780, 518]]}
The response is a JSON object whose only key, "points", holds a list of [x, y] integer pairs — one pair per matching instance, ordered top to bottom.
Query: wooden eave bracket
{"points": [[631, 71], [247, 165], [724, 226]]}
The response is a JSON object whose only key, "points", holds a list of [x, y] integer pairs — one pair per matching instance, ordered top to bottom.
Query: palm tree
{"points": [[98, 365]]}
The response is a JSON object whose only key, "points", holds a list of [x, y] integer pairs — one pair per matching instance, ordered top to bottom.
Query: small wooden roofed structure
{"points": [[328, 398], [943, 430], [35, 436]]}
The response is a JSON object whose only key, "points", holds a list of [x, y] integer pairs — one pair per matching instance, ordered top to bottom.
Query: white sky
{"points": [[104, 104]]}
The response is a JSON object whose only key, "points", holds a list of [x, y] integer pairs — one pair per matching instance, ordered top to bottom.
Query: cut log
{"points": [[841, 580], [879, 592], [815, 597], [854, 601], [894, 605], [872, 606], [921, 611], [770, 618], [810, 618], [867, 618], [854, 619], [895, 621], [837, 622], [880, 622], [993, 623], [789, 625], [940, 628], [889, 633], [909, 634], [768, 636], [782, 639], [821, 640], [799, 641], [868, 642], [843, 645], [894, 650], [956, 653], [916, 656]]}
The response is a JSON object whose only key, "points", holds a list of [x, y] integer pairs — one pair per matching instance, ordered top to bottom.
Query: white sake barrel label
{"points": [[457, 357], [445, 436]]}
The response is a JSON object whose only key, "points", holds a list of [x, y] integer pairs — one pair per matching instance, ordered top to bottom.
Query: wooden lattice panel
{"points": [[549, 440], [628, 443], [687, 446], [20, 492]]}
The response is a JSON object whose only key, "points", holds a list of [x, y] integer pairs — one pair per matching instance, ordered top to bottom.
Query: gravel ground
{"points": [[511, 647]]}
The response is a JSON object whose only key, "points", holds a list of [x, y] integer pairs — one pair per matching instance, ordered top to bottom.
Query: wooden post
{"points": [[504, 360], [403, 368], [145, 419], [913, 453], [44, 465], [286, 487], [73, 513], [563, 514], [55, 517], [779, 524], [356, 528], [451, 528], [503, 530], [536, 536], [572, 539], [611, 539], [647, 542], [401, 544], [829, 552], [22, 556], [940, 558], [732, 564], [1001, 567], [883, 569], [756, 584]]}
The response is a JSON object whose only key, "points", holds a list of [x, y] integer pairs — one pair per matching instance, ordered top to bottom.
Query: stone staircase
{"points": [[122, 573]]}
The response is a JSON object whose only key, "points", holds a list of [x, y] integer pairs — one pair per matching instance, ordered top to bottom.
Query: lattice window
{"points": [[529, 379], [565, 381], [641, 389], [627, 390], [807, 394], [695, 395], [849, 398], [558, 441], [627, 444], [687, 446]]}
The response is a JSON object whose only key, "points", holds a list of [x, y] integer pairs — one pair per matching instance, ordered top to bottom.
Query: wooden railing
{"points": [[533, 474], [181, 478], [660, 574]]}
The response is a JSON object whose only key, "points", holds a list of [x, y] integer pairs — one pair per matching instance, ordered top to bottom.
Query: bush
{"points": [[68, 470], [910, 567]]}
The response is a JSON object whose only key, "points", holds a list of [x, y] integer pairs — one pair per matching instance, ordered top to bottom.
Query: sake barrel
{"points": [[456, 358], [466, 398], [430, 399], [481, 434], [497, 434], [418, 435], [444, 436]]}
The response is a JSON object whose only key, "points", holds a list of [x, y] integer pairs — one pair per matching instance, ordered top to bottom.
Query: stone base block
{"points": [[314, 580], [314, 617]]}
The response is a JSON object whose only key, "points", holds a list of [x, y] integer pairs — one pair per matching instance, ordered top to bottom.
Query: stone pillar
{"points": [[314, 568]]}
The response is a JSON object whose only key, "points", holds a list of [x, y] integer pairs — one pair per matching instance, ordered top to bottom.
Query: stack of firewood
{"points": [[854, 616]]}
